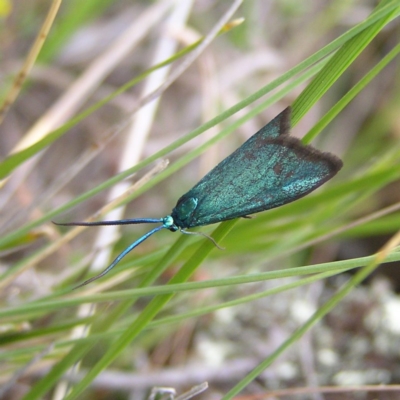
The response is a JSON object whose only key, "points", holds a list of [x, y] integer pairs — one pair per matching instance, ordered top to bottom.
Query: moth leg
{"points": [[204, 235]]}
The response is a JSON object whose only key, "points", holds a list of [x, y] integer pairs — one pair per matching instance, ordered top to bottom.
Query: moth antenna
{"points": [[118, 222], [204, 235], [122, 255]]}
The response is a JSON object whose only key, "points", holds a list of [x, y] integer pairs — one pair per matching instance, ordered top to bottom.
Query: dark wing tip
{"points": [[311, 154], [335, 163]]}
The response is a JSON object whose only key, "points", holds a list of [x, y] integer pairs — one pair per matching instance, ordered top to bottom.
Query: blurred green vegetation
{"points": [[333, 63]]}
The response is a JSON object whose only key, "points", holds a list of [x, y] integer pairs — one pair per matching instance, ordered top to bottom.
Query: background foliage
{"points": [[177, 311]]}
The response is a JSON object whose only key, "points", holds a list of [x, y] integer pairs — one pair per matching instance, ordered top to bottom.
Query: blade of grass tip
{"points": [[30, 59], [379, 257]]}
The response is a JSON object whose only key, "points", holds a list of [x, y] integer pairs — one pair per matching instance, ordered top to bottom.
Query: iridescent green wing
{"points": [[267, 171]]}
